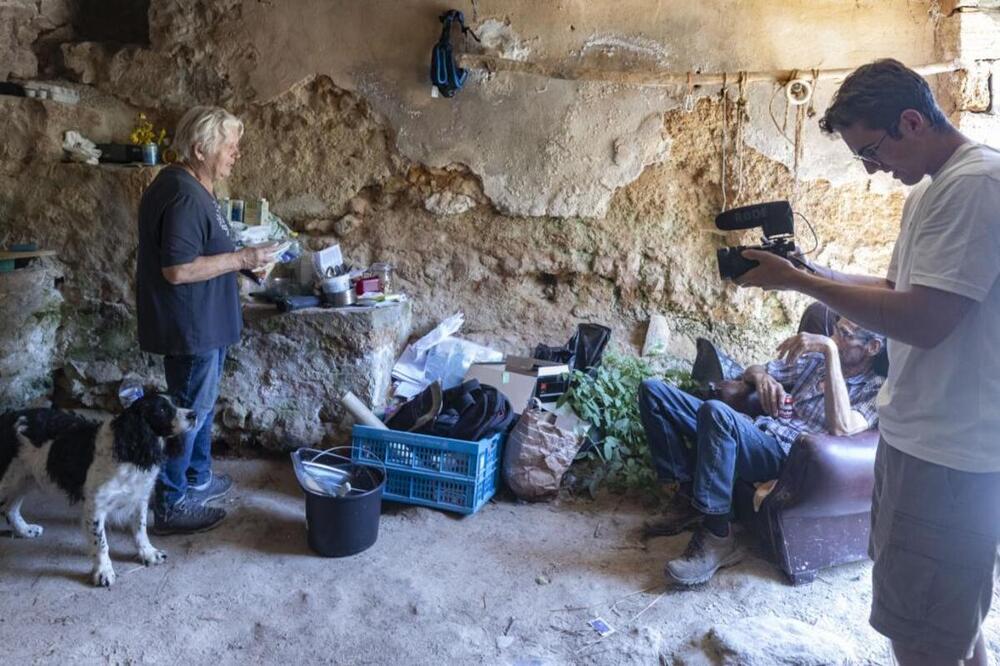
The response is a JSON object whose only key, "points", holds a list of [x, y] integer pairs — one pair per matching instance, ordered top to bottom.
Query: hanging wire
{"points": [[724, 103], [770, 111]]}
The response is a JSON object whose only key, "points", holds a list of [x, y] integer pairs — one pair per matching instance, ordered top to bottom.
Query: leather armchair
{"points": [[818, 514]]}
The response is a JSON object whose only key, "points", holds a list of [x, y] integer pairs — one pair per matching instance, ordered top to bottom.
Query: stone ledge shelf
{"points": [[282, 384]]}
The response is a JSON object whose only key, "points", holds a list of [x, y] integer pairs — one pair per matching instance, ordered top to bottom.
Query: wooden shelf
{"points": [[4, 255]]}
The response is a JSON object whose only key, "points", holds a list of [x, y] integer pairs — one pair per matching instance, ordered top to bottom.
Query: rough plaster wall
{"points": [[344, 140], [548, 147]]}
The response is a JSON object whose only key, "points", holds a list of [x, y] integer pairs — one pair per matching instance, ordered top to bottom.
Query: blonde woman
{"points": [[188, 305]]}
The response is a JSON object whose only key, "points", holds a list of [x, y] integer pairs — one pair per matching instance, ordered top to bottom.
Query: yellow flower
{"points": [[144, 132]]}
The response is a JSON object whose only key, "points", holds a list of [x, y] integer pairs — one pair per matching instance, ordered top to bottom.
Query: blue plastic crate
{"points": [[449, 474]]}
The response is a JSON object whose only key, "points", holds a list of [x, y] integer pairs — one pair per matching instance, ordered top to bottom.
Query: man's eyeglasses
{"points": [[869, 154], [847, 334]]}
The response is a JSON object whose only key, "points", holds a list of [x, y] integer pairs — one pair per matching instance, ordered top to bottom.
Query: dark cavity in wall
{"points": [[115, 21], [550, 286]]}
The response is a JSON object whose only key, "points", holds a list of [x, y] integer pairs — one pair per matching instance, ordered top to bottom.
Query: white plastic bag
{"points": [[79, 148], [439, 356]]}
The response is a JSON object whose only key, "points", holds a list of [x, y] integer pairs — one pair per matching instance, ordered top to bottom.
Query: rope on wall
{"points": [[742, 120]]}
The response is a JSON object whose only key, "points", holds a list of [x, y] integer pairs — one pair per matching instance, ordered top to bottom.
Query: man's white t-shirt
{"points": [[942, 404]]}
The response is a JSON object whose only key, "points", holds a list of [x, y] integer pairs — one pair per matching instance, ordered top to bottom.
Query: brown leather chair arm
{"points": [[827, 475]]}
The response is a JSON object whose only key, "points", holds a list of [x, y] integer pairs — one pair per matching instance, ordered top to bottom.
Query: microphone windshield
{"points": [[775, 217]]}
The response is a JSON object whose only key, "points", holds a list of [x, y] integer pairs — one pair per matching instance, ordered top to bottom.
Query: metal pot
{"points": [[339, 299]]}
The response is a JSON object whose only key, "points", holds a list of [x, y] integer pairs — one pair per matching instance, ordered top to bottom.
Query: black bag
{"points": [[445, 72], [583, 351], [470, 411]]}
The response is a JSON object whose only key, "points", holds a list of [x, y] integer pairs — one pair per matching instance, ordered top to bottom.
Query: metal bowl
{"points": [[279, 287]]}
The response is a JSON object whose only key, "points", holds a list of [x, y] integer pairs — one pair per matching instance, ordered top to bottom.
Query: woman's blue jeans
{"points": [[193, 379], [727, 445]]}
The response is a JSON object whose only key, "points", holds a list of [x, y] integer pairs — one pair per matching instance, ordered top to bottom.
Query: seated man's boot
{"points": [[712, 366], [678, 516], [705, 554]]}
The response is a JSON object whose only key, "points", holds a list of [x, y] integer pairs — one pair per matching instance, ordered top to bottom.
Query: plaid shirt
{"points": [[807, 379]]}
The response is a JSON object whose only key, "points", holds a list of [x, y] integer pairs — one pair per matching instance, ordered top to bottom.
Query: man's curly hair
{"points": [[876, 94]]}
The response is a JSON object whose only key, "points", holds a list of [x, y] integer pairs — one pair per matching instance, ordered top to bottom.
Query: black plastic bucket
{"points": [[342, 526]]}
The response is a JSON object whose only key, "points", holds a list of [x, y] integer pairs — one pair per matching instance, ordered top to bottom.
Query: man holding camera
{"points": [[818, 384], [936, 504]]}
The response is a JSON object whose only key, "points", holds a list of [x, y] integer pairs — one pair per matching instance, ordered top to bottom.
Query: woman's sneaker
{"points": [[214, 488], [185, 517]]}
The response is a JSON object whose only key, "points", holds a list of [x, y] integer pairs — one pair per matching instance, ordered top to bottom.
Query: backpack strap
{"points": [[446, 75]]}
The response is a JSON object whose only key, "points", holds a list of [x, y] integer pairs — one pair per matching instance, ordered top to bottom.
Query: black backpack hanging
{"points": [[446, 75], [583, 351]]}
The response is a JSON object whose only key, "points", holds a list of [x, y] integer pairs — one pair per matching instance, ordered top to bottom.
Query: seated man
{"points": [[832, 383]]}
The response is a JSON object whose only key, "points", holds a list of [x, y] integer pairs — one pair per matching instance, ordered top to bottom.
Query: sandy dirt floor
{"points": [[513, 584]]}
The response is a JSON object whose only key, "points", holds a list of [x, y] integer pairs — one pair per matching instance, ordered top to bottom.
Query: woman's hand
{"points": [[255, 258], [792, 348], [771, 394]]}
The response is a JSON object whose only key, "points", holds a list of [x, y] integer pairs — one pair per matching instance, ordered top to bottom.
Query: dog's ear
{"points": [[135, 442], [173, 446]]}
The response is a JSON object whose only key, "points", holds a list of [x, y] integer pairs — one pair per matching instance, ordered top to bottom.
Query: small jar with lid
{"points": [[386, 275]]}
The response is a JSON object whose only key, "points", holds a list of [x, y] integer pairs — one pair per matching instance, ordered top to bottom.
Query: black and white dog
{"points": [[111, 466]]}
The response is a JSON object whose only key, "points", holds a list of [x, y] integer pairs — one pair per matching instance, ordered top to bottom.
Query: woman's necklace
{"points": [[208, 186]]}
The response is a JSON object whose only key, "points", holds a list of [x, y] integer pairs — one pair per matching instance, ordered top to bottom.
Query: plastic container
{"points": [[236, 208], [129, 391], [449, 474], [343, 500]]}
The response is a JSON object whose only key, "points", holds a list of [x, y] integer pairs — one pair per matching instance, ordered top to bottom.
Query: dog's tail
{"points": [[10, 425]]}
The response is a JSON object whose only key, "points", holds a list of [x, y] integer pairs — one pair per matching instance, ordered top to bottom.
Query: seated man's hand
{"points": [[790, 349], [771, 394]]}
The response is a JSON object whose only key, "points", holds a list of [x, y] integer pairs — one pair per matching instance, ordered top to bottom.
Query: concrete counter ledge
{"points": [[283, 381]]}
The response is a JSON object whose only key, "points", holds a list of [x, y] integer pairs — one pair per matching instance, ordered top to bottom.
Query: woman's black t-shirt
{"points": [[179, 221]]}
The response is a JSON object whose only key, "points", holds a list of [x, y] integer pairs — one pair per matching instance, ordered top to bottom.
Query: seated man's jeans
{"points": [[194, 381], [727, 445]]}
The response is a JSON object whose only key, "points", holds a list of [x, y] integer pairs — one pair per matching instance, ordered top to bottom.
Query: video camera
{"points": [[774, 217]]}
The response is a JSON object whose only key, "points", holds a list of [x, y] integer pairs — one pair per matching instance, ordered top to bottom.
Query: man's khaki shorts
{"points": [[934, 542]]}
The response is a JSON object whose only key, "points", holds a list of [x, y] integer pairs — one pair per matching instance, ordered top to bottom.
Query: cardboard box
{"points": [[521, 378]]}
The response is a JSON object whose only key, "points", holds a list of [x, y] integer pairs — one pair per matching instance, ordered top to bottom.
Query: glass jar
{"points": [[386, 275]]}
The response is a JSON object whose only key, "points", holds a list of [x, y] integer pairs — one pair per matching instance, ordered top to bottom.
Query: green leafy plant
{"points": [[607, 398]]}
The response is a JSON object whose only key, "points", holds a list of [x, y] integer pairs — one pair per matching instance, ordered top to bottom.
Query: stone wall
{"points": [[972, 32], [529, 203], [30, 309]]}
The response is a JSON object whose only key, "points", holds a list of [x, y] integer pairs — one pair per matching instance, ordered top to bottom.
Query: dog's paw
{"points": [[29, 532], [152, 557], [103, 576]]}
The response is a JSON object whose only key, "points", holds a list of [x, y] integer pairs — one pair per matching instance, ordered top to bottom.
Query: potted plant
{"points": [[143, 134]]}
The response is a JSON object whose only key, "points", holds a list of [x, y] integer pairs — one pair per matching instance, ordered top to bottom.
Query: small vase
{"points": [[150, 153]]}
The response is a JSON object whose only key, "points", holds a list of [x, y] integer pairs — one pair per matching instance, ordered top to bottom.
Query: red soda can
{"points": [[787, 411]]}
